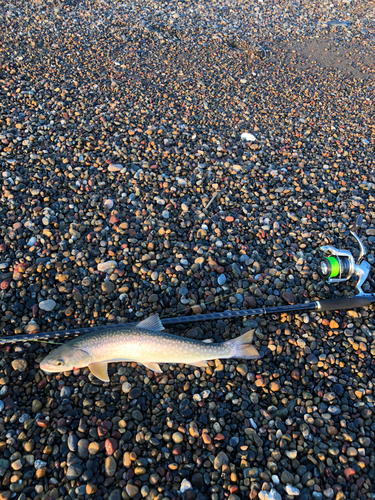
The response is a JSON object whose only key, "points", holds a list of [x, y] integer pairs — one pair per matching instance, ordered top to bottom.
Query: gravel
{"points": [[185, 158]]}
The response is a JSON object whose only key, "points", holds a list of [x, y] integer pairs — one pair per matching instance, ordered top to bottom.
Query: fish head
{"points": [[64, 359]]}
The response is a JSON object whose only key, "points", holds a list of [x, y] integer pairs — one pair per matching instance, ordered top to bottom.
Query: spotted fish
{"points": [[145, 344]]}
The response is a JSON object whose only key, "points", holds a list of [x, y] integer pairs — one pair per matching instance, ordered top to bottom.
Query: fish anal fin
{"points": [[151, 323], [199, 364], [153, 366], [100, 370]]}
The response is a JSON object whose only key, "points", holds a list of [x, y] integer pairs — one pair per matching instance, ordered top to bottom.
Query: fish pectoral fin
{"points": [[151, 323], [199, 364], [153, 366], [100, 370]]}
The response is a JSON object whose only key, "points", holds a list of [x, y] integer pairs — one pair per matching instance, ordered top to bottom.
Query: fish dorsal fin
{"points": [[151, 323], [207, 341], [100, 370]]}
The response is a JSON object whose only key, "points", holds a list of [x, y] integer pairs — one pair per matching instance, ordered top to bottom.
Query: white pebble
{"points": [[248, 137], [115, 168], [108, 204], [31, 241], [105, 266], [47, 305], [126, 387], [39, 463], [275, 479], [185, 485], [292, 490]]}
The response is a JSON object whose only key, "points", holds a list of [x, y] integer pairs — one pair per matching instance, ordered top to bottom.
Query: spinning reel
{"points": [[339, 265]]}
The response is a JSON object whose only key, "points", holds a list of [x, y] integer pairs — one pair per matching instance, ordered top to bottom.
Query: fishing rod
{"points": [[335, 266]]}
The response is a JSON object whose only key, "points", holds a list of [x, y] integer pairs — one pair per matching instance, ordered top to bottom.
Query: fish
{"points": [[145, 344]]}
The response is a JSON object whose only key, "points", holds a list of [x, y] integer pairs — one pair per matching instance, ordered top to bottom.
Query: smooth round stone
{"points": [[115, 167], [108, 204], [31, 241], [107, 267], [221, 279], [108, 287], [183, 291], [47, 305], [19, 364], [242, 369], [126, 387], [338, 389], [65, 392], [135, 393], [36, 405], [334, 410], [137, 415], [177, 437], [234, 441], [73, 442], [82, 446], [94, 448], [351, 452], [110, 466], [74, 471], [91, 489], [80, 490], [132, 490], [292, 490], [115, 495]]}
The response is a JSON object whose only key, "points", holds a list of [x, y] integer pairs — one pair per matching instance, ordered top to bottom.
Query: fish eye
{"points": [[59, 362]]}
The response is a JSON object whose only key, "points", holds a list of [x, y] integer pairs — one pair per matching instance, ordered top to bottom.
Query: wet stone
{"points": [[135, 393], [74, 471]]}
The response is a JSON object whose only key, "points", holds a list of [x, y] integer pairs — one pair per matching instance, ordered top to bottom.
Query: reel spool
{"points": [[339, 265], [335, 266]]}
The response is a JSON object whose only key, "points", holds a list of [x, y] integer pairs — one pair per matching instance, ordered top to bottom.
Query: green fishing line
{"points": [[335, 266]]}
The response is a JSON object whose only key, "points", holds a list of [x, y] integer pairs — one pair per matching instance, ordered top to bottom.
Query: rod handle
{"points": [[344, 303]]}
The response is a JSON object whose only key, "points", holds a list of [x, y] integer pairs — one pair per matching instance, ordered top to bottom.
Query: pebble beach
{"points": [[183, 158]]}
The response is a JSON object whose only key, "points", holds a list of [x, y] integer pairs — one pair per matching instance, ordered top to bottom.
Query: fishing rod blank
{"points": [[340, 303]]}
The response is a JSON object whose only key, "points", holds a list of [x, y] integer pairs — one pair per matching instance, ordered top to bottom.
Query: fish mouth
{"points": [[48, 369]]}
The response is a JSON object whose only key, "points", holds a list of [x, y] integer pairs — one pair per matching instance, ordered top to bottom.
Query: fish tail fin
{"points": [[242, 347]]}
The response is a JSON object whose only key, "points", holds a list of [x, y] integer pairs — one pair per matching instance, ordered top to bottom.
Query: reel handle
{"points": [[357, 224], [355, 233], [344, 303]]}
